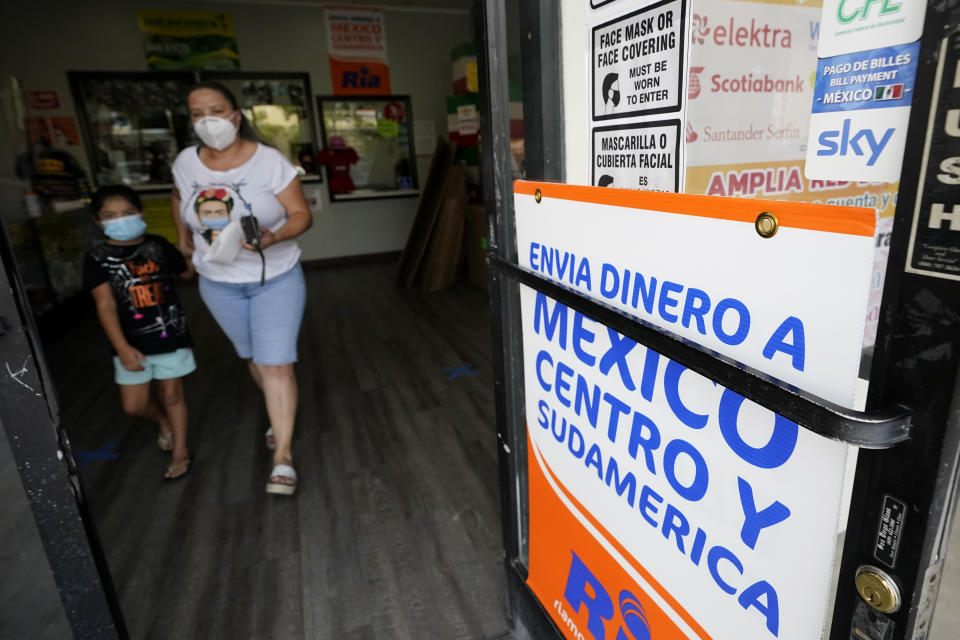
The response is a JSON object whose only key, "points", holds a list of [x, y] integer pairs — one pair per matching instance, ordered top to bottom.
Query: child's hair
{"points": [[113, 191]]}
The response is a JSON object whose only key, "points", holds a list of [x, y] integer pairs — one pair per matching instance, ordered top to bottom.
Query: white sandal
{"points": [[165, 441], [271, 441], [282, 488]]}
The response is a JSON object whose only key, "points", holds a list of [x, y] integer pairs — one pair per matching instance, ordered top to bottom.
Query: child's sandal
{"points": [[165, 441], [177, 470]]}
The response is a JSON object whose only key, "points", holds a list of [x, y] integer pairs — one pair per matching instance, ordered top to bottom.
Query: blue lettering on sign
{"points": [[362, 79], [875, 79], [859, 143], [796, 349], [644, 450], [584, 590], [587, 596]]}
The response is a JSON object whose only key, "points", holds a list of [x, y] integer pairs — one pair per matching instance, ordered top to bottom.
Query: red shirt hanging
{"points": [[338, 163]]}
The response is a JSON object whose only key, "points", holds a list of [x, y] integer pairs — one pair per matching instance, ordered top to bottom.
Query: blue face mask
{"points": [[217, 223], [125, 228]]}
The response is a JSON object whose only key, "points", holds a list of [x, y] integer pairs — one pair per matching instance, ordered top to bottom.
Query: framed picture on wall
{"points": [[368, 147]]}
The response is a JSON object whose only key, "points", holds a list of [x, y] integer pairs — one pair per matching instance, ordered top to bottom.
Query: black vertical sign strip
{"points": [[935, 240], [916, 363]]}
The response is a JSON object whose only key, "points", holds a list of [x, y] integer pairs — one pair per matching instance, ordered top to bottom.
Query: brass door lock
{"points": [[878, 589]]}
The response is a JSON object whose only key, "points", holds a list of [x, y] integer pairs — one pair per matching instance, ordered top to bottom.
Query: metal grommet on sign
{"points": [[537, 196], [767, 224], [878, 589]]}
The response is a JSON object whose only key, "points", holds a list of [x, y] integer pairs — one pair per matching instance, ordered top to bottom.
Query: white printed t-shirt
{"points": [[250, 188]]}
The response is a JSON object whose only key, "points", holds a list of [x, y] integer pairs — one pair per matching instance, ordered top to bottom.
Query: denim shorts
{"points": [[262, 322], [159, 366]]}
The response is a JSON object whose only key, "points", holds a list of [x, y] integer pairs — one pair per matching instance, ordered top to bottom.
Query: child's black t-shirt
{"points": [[141, 279]]}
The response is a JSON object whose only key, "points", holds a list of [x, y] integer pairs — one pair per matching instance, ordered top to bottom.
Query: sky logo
{"points": [[863, 142]]}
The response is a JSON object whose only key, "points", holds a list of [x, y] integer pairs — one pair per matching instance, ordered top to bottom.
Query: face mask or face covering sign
{"points": [[638, 60], [661, 504]]}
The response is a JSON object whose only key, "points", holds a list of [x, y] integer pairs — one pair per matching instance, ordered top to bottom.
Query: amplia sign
{"points": [[663, 505]]}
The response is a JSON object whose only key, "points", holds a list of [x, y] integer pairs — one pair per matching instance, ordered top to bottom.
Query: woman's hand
{"points": [[267, 238], [131, 359]]}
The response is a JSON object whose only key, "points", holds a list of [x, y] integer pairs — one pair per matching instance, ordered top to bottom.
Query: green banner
{"points": [[188, 40]]}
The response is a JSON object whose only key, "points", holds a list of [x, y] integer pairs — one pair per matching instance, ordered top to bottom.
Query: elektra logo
{"points": [[849, 11], [731, 34], [861, 143], [584, 590]]}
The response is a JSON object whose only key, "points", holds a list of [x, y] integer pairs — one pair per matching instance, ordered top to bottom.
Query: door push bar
{"points": [[879, 429]]}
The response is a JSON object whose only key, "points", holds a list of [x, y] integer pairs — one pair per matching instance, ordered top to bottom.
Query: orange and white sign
{"points": [[357, 45], [663, 505]]}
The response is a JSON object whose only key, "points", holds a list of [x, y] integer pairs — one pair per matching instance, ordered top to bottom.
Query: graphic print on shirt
{"points": [[214, 205], [146, 304]]}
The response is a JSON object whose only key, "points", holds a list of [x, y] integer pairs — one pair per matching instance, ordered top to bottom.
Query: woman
{"points": [[259, 305]]}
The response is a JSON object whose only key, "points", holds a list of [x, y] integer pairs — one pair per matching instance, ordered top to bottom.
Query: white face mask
{"points": [[217, 133]]}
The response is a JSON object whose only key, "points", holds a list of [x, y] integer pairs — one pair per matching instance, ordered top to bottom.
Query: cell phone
{"points": [[251, 229]]}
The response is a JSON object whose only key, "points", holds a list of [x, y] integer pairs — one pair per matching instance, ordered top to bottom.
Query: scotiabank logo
{"points": [[755, 34], [749, 83], [694, 86], [589, 600]]}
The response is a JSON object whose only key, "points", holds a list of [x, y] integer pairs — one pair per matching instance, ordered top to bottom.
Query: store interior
{"points": [[395, 530]]}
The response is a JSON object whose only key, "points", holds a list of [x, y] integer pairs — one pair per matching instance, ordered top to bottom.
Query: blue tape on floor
{"points": [[462, 370], [106, 453]]}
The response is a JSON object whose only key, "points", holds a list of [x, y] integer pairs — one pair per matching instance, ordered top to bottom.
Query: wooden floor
{"points": [[394, 532]]}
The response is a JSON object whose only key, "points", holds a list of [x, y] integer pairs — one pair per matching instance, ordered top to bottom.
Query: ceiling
{"points": [[458, 6]]}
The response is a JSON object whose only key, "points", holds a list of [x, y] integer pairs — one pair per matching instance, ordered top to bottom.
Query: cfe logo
{"points": [[851, 10], [844, 142], [584, 590]]}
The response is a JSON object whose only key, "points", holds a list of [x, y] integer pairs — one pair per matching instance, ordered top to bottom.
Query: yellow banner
{"points": [[186, 23], [785, 181]]}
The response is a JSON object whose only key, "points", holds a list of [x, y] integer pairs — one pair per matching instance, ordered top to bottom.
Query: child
{"points": [[130, 276]]}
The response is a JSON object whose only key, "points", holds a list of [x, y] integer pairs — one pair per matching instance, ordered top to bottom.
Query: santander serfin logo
{"points": [[738, 33]]}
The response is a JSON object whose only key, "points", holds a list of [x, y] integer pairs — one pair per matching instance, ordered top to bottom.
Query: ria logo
{"points": [[360, 80], [693, 90], [860, 143], [585, 590]]}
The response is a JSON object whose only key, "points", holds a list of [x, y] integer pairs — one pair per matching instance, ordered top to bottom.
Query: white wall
{"points": [[40, 42]]}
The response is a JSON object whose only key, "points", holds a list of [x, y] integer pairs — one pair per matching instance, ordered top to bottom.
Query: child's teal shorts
{"points": [[161, 366]]}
